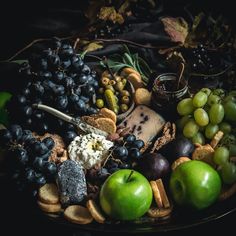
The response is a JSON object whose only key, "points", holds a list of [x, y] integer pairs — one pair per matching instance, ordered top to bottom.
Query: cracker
{"points": [[142, 96], [108, 114], [107, 125], [216, 139], [204, 153], [156, 193], [48, 194], [49, 208], [95, 211], [78, 214]]}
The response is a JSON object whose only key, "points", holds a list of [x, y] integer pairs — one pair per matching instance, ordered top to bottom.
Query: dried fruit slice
{"points": [[179, 161], [95, 211], [155, 212]]}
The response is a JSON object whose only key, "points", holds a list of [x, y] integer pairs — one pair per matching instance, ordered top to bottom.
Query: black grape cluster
{"points": [[112, 30], [57, 77], [124, 155], [27, 159]]}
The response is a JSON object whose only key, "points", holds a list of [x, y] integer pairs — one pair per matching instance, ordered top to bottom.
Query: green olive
{"points": [[118, 78], [105, 81], [112, 82], [124, 82], [119, 86], [110, 87], [101, 90], [125, 93], [125, 100], [100, 103], [124, 107]]}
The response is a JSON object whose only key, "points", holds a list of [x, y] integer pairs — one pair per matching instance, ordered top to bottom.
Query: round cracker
{"points": [[108, 113], [48, 194], [49, 208], [95, 211], [78, 214]]}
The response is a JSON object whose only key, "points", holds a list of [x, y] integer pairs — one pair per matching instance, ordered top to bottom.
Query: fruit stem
{"points": [[131, 172]]}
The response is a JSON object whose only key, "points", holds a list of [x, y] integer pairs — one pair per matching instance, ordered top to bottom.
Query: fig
{"points": [[180, 147], [153, 166]]}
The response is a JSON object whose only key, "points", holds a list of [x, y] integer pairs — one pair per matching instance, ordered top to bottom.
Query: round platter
{"points": [[179, 220]]}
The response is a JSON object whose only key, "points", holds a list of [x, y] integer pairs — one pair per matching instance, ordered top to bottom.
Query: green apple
{"points": [[195, 184], [126, 195]]}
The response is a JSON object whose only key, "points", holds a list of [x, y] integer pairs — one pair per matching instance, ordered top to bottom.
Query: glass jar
{"points": [[166, 95]]}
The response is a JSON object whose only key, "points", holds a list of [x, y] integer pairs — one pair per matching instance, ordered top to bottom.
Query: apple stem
{"points": [[131, 172]]}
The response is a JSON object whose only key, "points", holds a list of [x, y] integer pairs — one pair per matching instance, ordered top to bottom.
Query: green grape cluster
{"points": [[202, 116]]}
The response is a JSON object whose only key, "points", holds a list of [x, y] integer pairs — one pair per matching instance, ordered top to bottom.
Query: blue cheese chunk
{"points": [[89, 150]]}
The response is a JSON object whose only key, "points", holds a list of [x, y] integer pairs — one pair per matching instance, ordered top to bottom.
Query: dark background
{"points": [[20, 23]]}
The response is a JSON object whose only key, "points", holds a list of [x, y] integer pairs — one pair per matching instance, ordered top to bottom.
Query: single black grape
{"points": [[61, 102], [16, 132], [5, 136], [69, 136], [129, 138], [49, 142], [138, 144], [39, 148], [120, 152], [135, 153], [50, 168]]}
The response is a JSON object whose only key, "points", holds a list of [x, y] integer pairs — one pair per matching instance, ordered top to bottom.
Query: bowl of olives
{"points": [[116, 93]]}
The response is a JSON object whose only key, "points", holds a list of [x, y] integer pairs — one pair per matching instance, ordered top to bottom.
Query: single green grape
{"points": [[207, 91], [219, 92], [199, 99], [213, 99], [185, 107], [230, 110], [216, 113], [201, 117], [182, 122], [225, 127], [190, 129], [211, 130], [198, 138], [221, 155], [228, 173]]}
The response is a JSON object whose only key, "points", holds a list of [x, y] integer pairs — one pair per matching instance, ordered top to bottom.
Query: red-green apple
{"points": [[195, 184], [125, 195]]}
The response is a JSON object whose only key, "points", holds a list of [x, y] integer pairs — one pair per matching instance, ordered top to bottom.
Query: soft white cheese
{"points": [[89, 149]]}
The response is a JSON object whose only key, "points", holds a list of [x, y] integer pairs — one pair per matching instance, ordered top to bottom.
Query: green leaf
{"points": [[127, 59], [144, 66], [4, 98]]}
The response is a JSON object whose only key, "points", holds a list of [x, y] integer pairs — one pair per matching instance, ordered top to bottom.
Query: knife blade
{"points": [[81, 125]]}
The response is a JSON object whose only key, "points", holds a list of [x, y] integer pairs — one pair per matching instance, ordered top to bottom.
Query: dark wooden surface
{"points": [[17, 29]]}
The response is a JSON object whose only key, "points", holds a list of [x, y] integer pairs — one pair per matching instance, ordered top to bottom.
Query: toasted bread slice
{"points": [[127, 71], [48, 194], [163, 194], [95, 211], [155, 212], [78, 214]]}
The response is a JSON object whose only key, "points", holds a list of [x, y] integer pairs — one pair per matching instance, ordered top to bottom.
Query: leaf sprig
{"points": [[117, 62]]}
